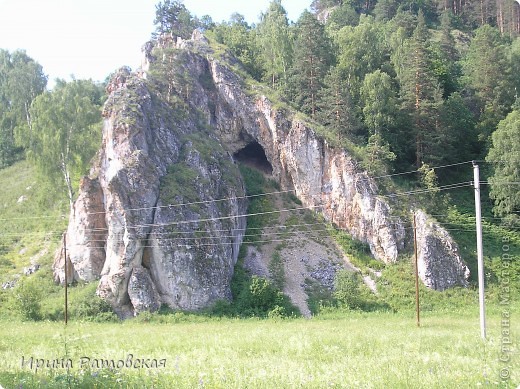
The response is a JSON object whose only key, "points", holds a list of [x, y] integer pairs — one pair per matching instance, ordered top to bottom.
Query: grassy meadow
{"points": [[349, 349]]}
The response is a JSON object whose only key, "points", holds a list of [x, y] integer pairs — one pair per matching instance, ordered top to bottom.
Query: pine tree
{"points": [[385, 10], [445, 58], [312, 59], [487, 73], [420, 93], [336, 109], [459, 141], [379, 155]]}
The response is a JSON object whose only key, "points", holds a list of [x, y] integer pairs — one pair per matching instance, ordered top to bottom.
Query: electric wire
{"points": [[416, 171], [226, 199], [170, 206], [228, 236]]}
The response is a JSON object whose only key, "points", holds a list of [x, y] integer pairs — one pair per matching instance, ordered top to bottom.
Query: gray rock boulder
{"points": [[439, 262], [142, 292]]}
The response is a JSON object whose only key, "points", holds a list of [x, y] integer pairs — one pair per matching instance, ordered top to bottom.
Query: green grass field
{"points": [[349, 349]]}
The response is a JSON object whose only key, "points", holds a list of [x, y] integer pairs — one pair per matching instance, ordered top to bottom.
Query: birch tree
{"points": [[65, 132]]}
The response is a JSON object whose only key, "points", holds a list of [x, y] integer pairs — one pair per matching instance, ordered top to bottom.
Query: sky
{"points": [[92, 38]]}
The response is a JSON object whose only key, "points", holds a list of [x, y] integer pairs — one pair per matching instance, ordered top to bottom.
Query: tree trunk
{"points": [[500, 16], [313, 108], [68, 182]]}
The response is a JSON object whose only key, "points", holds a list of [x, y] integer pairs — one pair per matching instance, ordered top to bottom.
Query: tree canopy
{"points": [[174, 18], [21, 80], [413, 83], [65, 132], [505, 157]]}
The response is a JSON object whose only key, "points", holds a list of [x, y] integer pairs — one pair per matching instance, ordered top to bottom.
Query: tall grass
{"points": [[351, 351]]}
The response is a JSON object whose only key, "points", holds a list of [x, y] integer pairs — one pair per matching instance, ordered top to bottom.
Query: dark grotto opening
{"points": [[253, 155]]}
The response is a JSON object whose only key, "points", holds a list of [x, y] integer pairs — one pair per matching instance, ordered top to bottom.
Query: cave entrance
{"points": [[253, 155]]}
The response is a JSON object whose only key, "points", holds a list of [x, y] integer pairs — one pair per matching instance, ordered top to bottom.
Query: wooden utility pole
{"points": [[416, 271], [66, 280]]}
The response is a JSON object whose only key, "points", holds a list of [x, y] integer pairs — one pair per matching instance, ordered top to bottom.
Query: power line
{"points": [[415, 171], [500, 183], [419, 191], [398, 194], [226, 199], [169, 206], [62, 216], [221, 217], [102, 230], [308, 232], [202, 244]]}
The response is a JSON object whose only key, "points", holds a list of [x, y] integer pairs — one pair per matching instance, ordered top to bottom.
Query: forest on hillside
{"points": [[414, 84]]}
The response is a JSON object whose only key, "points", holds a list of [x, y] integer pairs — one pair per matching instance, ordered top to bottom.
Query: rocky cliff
{"points": [[150, 221], [124, 229]]}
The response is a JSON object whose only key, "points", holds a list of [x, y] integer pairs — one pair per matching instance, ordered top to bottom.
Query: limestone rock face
{"points": [[323, 177], [130, 212], [161, 218], [86, 234], [439, 262], [142, 292]]}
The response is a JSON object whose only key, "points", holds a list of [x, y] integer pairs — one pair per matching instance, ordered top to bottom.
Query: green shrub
{"points": [[254, 180], [256, 184], [277, 271], [347, 289], [263, 294], [253, 296], [319, 296], [26, 300], [86, 305], [222, 308], [277, 312]]}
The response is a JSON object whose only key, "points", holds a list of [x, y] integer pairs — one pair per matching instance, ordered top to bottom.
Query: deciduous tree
{"points": [[173, 17], [275, 43], [21, 80], [379, 101], [65, 135], [505, 156]]}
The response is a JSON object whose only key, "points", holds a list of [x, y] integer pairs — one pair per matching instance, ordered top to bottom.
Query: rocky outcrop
{"points": [[160, 219], [149, 222], [86, 235], [440, 265]]}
